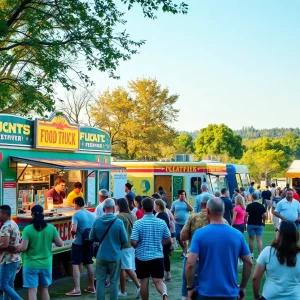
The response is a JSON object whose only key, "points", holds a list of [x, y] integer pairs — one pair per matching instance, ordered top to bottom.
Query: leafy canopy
{"points": [[43, 42], [137, 119], [218, 140]]}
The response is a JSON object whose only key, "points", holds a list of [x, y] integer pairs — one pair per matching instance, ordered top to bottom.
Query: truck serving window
{"points": [[103, 180], [217, 182], [196, 183]]}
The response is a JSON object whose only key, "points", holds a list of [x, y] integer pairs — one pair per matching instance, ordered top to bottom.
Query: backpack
{"points": [[85, 234]]}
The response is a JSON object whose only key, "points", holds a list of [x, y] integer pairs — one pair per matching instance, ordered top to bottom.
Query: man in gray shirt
{"points": [[197, 206]]}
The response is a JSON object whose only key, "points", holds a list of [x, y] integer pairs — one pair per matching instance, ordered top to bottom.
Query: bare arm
{"points": [[189, 207], [279, 216], [233, 217], [264, 217], [73, 230], [58, 241], [167, 241], [133, 243], [22, 247], [247, 268], [256, 280]]}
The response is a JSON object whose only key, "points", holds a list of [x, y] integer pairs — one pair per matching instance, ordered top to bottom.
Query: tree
{"points": [[43, 42], [76, 106], [138, 120], [218, 140], [184, 144], [266, 158]]}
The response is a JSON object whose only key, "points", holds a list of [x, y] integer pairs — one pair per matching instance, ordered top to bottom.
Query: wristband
{"points": [[190, 288]]}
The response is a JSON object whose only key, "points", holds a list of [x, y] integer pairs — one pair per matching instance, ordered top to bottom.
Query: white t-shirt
{"points": [[134, 210], [99, 211], [282, 282]]}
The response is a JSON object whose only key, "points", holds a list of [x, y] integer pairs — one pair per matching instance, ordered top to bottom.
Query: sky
{"points": [[233, 62]]}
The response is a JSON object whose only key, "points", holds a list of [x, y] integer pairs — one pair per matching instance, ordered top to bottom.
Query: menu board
{"points": [[10, 196]]}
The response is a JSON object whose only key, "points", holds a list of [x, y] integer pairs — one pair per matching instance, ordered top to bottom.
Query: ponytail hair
{"points": [[38, 222]]}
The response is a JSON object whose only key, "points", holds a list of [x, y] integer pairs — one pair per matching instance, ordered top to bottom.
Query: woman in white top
{"points": [[281, 262]]}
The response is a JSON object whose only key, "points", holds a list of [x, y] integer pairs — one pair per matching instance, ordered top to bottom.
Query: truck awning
{"points": [[65, 164], [294, 170]]}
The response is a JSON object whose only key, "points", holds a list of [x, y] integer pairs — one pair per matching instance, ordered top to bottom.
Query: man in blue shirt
{"points": [[197, 206], [288, 208], [181, 210], [218, 247]]}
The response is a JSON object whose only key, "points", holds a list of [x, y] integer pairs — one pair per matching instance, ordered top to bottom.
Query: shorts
{"points": [[268, 203], [239, 227], [178, 228], [255, 230], [82, 254], [127, 259], [150, 268], [33, 278]]}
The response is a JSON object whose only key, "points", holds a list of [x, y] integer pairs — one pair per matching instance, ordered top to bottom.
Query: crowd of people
{"points": [[133, 237]]}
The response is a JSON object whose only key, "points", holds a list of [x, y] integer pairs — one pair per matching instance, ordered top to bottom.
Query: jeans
{"points": [[103, 268], [7, 278]]}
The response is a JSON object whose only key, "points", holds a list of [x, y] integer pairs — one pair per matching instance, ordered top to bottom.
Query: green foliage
{"points": [[42, 43], [138, 119], [252, 133], [218, 140], [184, 144], [267, 158]]}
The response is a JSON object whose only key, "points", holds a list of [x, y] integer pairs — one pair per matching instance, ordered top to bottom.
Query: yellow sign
{"points": [[56, 133]]}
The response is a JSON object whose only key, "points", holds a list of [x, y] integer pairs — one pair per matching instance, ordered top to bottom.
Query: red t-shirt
{"points": [[296, 196], [57, 198], [139, 213]]}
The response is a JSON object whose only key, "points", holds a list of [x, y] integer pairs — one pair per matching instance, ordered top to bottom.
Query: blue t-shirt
{"points": [[131, 193], [181, 212], [83, 219], [219, 247]]}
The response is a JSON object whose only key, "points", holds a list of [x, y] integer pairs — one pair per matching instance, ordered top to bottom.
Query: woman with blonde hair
{"points": [[160, 208], [239, 214]]}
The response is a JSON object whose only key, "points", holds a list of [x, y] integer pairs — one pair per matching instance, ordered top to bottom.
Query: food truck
{"points": [[33, 153], [293, 175], [147, 177], [237, 177]]}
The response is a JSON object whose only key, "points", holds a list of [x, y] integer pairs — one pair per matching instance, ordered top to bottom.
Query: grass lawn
{"points": [[61, 286]]}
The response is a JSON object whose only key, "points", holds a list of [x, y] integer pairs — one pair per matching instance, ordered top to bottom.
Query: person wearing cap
{"points": [[77, 192], [103, 194], [110, 232], [37, 239], [81, 252]]}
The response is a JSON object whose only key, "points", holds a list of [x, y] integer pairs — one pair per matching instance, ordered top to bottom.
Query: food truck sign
{"points": [[15, 131], [56, 133], [93, 139]]}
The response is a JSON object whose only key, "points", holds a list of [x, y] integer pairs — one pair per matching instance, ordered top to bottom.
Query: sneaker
{"points": [[182, 255], [107, 283], [90, 290], [73, 293], [137, 293], [120, 294]]}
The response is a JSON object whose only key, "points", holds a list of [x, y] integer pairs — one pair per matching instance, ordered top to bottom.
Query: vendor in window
{"points": [[58, 192], [77, 192]]}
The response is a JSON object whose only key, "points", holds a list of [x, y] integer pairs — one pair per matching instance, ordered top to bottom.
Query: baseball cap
{"points": [[104, 193]]}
